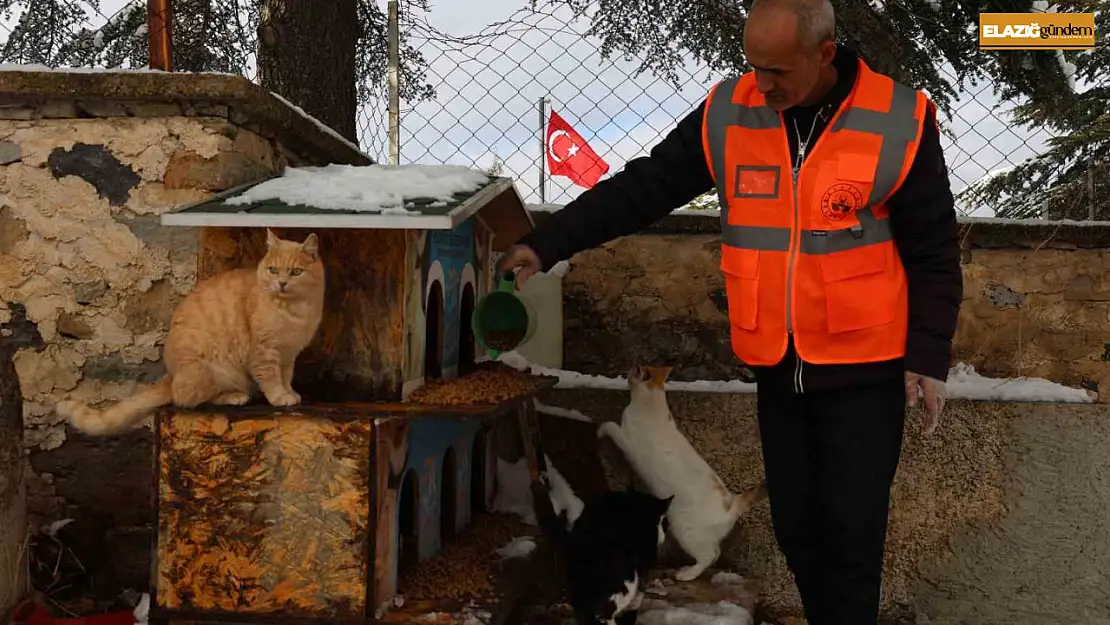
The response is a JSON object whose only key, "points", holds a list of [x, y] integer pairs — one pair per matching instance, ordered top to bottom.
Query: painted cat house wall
{"points": [[400, 287]]}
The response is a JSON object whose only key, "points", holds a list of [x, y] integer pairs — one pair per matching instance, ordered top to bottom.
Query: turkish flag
{"points": [[569, 155]]}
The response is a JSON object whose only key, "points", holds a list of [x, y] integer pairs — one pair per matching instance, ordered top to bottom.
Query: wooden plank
{"points": [[507, 218], [358, 352], [391, 455], [263, 515]]}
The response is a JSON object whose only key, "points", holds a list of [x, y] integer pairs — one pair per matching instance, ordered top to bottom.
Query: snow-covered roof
{"points": [[417, 196]]}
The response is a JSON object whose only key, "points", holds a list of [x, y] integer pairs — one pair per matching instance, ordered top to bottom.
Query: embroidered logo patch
{"points": [[840, 200]]}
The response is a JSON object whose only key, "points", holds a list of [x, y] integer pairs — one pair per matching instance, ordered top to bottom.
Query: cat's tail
{"points": [[120, 417], [742, 502]]}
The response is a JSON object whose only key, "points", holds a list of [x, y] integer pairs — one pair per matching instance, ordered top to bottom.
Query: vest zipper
{"points": [[790, 265]]}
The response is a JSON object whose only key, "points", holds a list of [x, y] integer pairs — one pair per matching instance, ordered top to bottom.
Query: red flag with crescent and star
{"points": [[569, 155]]}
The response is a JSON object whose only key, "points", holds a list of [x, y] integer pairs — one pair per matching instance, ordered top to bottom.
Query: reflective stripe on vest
{"points": [[897, 127]]}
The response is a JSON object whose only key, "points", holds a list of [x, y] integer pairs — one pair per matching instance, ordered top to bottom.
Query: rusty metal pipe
{"points": [[159, 20]]}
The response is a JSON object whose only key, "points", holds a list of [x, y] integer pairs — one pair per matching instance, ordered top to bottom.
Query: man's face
{"points": [[786, 69]]}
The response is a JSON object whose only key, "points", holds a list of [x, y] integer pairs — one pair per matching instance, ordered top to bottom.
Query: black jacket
{"points": [[922, 217]]}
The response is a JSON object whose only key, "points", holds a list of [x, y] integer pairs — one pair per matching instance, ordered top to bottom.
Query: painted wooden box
{"points": [[314, 511]]}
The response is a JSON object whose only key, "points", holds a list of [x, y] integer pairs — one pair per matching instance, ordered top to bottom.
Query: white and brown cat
{"points": [[236, 333], [703, 511]]}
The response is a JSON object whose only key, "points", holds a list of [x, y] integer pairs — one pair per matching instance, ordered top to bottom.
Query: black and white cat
{"points": [[704, 511], [607, 551]]}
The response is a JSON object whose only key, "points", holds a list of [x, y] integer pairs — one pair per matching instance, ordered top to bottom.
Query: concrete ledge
{"points": [[28, 94], [1002, 517]]}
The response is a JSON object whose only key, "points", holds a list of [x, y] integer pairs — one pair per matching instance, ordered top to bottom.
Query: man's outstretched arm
{"points": [[646, 190]]}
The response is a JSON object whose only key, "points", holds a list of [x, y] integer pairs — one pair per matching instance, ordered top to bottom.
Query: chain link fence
{"points": [[487, 87], [486, 111]]}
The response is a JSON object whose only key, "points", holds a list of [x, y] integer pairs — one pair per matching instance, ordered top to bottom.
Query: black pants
{"points": [[830, 457]]}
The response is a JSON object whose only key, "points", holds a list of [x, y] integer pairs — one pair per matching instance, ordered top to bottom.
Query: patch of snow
{"points": [[934, 4], [98, 39], [36, 67], [321, 125], [364, 188], [965, 383], [566, 413], [514, 490], [519, 547], [725, 578], [659, 612]]}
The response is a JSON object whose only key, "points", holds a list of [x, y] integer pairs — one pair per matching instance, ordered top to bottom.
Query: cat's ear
{"points": [[271, 239], [311, 246], [636, 373], [657, 376]]}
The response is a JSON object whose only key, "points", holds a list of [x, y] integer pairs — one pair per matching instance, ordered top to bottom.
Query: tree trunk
{"points": [[306, 54]]}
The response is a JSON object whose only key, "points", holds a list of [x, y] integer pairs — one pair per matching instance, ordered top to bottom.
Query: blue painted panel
{"points": [[454, 249], [429, 440]]}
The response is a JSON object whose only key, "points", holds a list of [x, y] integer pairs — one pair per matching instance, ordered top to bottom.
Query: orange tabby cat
{"points": [[237, 332]]}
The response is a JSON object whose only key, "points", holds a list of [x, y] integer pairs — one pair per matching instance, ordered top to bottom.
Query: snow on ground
{"points": [[371, 188], [963, 383], [519, 547], [655, 611], [659, 612]]}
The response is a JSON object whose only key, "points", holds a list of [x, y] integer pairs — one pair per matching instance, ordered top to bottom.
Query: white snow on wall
{"points": [[963, 383]]}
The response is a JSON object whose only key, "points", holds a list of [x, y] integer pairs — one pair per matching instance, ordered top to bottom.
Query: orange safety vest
{"points": [[812, 254]]}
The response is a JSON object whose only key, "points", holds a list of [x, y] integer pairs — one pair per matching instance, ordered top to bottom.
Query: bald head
{"points": [[813, 21], [791, 45]]}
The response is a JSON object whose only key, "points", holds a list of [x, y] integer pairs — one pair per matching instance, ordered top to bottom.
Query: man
{"points": [[841, 264]]}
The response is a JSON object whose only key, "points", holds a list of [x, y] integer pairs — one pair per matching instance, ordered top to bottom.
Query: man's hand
{"points": [[520, 257], [935, 393]]}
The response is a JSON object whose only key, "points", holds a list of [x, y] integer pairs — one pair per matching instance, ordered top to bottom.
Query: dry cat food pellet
{"points": [[504, 339], [486, 386], [460, 571]]}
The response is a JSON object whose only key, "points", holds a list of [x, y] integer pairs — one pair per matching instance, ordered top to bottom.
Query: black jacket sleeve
{"points": [[645, 191], [923, 220]]}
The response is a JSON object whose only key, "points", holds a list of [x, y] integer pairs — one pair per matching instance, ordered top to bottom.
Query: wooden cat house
{"points": [[335, 509]]}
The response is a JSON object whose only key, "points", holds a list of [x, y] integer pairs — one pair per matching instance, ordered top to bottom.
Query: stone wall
{"points": [[88, 162], [1036, 302]]}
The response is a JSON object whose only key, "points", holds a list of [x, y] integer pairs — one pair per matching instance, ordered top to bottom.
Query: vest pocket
{"points": [[741, 271], [860, 291]]}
